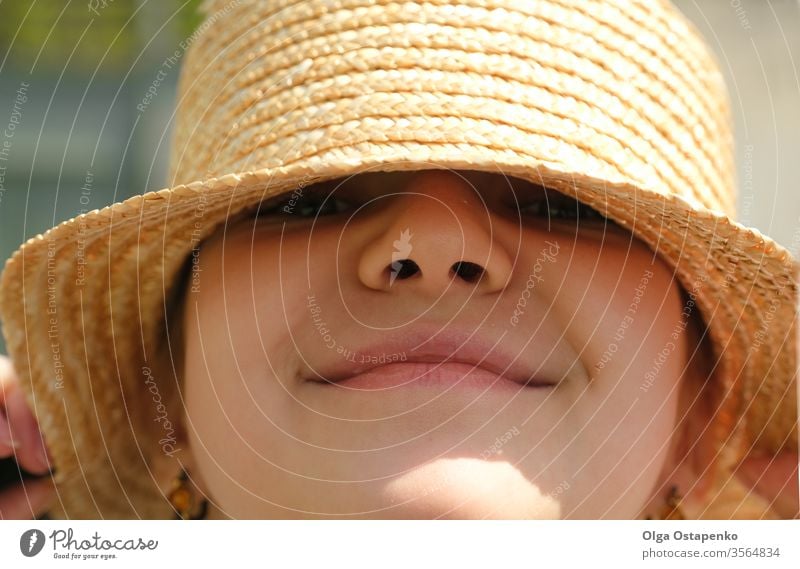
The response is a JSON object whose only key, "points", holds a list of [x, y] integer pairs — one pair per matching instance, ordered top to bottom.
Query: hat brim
{"points": [[83, 307]]}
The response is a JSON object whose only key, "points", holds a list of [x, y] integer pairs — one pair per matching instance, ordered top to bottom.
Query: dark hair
{"points": [[168, 355]]}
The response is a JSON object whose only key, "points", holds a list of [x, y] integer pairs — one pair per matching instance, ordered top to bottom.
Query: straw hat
{"points": [[619, 102]]}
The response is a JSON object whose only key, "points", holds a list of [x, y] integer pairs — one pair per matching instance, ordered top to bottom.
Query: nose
{"points": [[438, 233]]}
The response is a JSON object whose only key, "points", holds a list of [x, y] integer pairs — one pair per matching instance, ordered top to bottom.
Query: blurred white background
{"points": [[758, 45]]}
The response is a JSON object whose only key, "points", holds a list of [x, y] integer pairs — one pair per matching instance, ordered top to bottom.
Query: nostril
{"points": [[407, 268], [403, 269], [470, 272]]}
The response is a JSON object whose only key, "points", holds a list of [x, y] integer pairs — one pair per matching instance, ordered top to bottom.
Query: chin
{"points": [[467, 489]]}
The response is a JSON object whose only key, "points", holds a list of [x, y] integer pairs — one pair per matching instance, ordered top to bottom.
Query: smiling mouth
{"points": [[437, 374]]}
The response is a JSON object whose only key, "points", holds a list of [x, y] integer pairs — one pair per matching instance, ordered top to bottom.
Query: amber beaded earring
{"points": [[184, 500], [671, 510]]}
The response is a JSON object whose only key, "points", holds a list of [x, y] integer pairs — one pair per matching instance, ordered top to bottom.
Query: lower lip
{"points": [[424, 374]]}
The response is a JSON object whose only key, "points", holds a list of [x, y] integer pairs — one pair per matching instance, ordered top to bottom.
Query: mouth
{"points": [[442, 362], [443, 374]]}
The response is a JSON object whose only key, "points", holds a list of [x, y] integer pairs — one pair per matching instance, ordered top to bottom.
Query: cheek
{"points": [[250, 299], [627, 324], [238, 408], [240, 419], [622, 447]]}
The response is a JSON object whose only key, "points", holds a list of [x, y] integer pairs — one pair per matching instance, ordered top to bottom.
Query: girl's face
{"points": [[565, 342]]}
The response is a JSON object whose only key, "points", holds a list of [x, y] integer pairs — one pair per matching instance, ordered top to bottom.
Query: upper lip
{"points": [[524, 365]]}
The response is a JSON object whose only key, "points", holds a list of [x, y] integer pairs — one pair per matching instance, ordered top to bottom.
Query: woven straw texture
{"points": [[618, 103]]}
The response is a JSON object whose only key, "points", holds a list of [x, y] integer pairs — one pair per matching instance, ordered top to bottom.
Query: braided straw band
{"points": [[617, 103]]}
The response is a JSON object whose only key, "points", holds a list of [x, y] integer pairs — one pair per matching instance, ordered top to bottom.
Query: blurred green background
{"points": [[83, 67], [85, 73], [71, 76]]}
